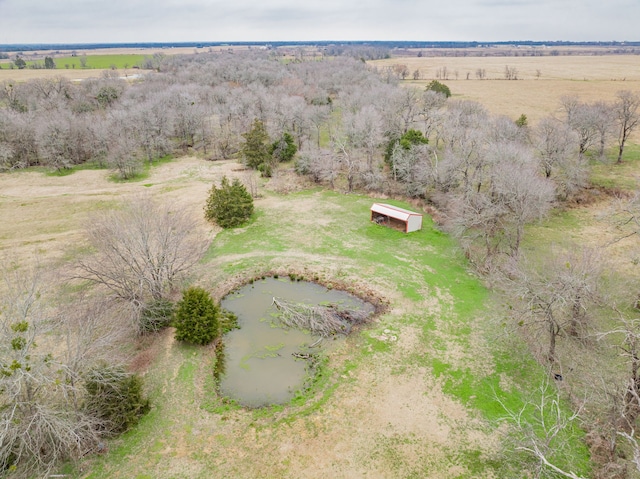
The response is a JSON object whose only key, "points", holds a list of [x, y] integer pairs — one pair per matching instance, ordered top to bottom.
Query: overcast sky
{"points": [[116, 21]]}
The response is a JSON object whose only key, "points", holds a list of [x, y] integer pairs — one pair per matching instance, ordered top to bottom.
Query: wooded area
{"points": [[485, 178]]}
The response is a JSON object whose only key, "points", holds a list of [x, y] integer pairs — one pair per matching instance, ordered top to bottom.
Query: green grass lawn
{"points": [[96, 62], [328, 236]]}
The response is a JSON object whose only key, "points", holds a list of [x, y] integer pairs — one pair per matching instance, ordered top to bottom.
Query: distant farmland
{"points": [[99, 62], [541, 81]]}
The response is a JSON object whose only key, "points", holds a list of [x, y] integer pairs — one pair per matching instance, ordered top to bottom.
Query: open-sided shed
{"points": [[395, 217]]}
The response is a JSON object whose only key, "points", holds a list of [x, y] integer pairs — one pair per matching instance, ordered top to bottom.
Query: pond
{"points": [[259, 363]]}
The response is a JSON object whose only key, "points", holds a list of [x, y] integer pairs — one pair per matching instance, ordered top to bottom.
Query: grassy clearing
{"points": [[101, 62], [143, 172], [623, 176], [411, 396]]}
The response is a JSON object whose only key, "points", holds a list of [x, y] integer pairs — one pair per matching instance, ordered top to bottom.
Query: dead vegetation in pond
{"points": [[324, 321]]}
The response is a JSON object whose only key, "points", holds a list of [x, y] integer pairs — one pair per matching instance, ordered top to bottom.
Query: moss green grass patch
{"points": [[96, 62]]}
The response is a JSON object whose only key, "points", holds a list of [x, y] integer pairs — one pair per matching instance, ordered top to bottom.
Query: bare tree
{"points": [[401, 70], [442, 73], [510, 73], [399, 110], [431, 111], [627, 114], [188, 116], [583, 119], [604, 124], [153, 128], [363, 131], [461, 131], [553, 141], [556, 147], [123, 153], [349, 159], [322, 165], [416, 169], [143, 250], [554, 297], [629, 330], [40, 424], [543, 427]]}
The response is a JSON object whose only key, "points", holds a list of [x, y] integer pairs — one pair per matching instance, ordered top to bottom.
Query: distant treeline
{"points": [[21, 47]]}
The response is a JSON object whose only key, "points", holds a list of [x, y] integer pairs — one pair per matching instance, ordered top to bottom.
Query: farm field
{"points": [[97, 61], [100, 62], [73, 75], [591, 78]]}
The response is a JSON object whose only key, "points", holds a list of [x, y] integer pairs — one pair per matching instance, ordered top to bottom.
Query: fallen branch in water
{"points": [[324, 321]]}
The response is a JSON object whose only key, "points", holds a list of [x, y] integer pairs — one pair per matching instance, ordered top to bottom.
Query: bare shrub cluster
{"points": [[143, 251], [46, 353]]}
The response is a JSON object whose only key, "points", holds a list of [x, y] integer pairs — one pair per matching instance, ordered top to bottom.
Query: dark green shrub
{"points": [[438, 87], [107, 96], [522, 121], [406, 141], [284, 149], [255, 150], [230, 205], [156, 316], [197, 317], [115, 397]]}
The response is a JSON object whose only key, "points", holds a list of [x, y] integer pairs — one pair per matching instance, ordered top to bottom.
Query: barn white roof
{"points": [[393, 211]]}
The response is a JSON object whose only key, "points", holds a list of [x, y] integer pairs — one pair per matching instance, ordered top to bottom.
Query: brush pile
{"points": [[323, 321]]}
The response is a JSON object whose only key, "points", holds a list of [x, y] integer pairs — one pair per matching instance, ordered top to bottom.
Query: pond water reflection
{"points": [[259, 366]]}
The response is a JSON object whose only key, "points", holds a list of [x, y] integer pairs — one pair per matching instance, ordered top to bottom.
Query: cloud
{"points": [[65, 21]]}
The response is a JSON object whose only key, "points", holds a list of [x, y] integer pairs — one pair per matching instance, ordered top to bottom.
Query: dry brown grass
{"points": [[26, 74], [591, 78], [45, 215]]}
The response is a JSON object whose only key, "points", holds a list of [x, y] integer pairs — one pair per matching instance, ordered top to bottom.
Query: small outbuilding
{"points": [[395, 217]]}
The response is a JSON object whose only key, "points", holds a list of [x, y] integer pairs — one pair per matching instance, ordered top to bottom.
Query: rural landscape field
{"points": [[454, 376]]}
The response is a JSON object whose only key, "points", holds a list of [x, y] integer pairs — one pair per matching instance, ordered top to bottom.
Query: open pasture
{"points": [[97, 61], [113, 61], [542, 81], [411, 396]]}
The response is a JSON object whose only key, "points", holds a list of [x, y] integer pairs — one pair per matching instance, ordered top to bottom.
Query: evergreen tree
{"points": [[20, 63], [438, 87], [522, 121], [406, 141], [284, 149], [255, 150], [229, 205], [197, 317], [116, 397]]}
